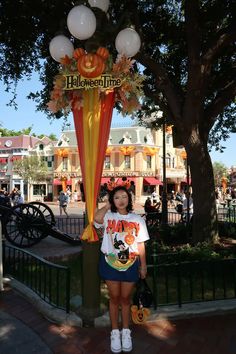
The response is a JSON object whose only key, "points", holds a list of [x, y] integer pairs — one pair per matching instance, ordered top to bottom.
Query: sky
{"points": [[26, 116]]}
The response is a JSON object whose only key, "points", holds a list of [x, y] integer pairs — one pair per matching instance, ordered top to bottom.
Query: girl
{"points": [[122, 260]]}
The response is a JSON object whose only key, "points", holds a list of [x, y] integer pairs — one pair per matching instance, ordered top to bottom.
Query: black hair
{"points": [[111, 199]]}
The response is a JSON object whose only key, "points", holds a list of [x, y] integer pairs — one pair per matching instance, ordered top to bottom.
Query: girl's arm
{"points": [[100, 213], [142, 257]]}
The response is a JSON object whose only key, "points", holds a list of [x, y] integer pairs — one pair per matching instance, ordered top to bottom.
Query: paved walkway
{"points": [[24, 330]]}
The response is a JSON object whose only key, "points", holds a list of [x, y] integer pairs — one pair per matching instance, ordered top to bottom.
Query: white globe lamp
{"points": [[101, 4], [81, 22], [128, 42], [60, 46]]}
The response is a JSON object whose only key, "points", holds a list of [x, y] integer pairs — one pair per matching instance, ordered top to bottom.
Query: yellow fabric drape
{"points": [[92, 124]]}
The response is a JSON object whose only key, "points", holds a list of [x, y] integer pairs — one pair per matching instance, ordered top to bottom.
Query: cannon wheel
{"points": [[47, 212], [24, 226]]}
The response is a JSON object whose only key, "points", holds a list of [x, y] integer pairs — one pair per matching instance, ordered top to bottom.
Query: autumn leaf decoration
{"points": [[127, 95]]}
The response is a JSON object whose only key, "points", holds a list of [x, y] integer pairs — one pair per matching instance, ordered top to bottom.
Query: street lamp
{"points": [[81, 23], [92, 113], [185, 158], [164, 216]]}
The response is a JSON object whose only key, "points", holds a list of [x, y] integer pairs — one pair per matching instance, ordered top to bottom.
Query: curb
{"points": [[51, 313], [55, 315]]}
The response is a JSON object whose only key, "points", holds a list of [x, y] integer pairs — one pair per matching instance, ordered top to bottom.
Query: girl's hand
{"points": [[143, 272]]}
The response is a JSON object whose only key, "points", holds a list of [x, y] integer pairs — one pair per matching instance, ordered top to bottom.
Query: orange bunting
{"points": [[126, 150], [150, 151]]}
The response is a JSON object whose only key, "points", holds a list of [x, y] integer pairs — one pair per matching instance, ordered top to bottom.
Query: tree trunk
{"points": [[205, 216]]}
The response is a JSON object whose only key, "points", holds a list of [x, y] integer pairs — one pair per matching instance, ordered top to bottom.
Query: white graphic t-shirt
{"points": [[120, 238]]}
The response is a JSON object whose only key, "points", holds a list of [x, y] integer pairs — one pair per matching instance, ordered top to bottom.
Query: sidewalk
{"points": [[206, 328], [24, 330]]}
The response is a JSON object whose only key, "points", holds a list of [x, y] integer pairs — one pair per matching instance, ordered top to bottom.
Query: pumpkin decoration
{"points": [[79, 52], [103, 52], [91, 65], [129, 238]]}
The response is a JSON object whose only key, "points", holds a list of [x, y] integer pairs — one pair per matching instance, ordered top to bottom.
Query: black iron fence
{"points": [[72, 226], [51, 282], [173, 282], [176, 282]]}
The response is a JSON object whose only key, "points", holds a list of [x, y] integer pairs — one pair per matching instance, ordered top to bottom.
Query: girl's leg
{"points": [[114, 289], [126, 291]]}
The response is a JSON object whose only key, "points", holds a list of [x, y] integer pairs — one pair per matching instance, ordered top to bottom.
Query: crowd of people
{"points": [[226, 197], [11, 199]]}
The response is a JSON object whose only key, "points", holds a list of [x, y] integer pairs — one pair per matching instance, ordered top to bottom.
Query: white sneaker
{"points": [[126, 340], [115, 341]]}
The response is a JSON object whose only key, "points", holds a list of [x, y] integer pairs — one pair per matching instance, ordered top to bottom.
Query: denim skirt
{"points": [[107, 272]]}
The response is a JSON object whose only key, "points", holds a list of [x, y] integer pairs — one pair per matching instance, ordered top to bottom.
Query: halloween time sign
{"points": [[84, 71], [105, 81]]}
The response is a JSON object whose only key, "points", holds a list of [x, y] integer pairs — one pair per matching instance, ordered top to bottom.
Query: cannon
{"points": [[25, 225]]}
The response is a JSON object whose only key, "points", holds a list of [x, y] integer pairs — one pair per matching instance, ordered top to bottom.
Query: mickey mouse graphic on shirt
{"points": [[122, 235]]}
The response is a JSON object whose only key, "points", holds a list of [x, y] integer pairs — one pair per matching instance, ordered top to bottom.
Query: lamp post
{"points": [[93, 118], [185, 158], [164, 216]]}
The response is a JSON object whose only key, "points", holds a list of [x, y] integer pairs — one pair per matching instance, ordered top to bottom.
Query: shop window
{"points": [[168, 139], [168, 160], [149, 161], [107, 162], [127, 162], [173, 162], [65, 163], [39, 189]]}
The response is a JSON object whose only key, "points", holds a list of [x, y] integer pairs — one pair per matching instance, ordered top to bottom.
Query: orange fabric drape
{"points": [[92, 126]]}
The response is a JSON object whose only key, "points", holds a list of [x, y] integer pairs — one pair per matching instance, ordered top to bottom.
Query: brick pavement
{"points": [[214, 334]]}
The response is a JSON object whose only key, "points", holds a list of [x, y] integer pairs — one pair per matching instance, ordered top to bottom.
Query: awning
{"points": [[15, 158], [133, 179], [152, 181], [185, 181], [58, 182]]}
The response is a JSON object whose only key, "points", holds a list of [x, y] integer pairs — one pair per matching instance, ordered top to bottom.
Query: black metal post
{"points": [[188, 189], [164, 218]]}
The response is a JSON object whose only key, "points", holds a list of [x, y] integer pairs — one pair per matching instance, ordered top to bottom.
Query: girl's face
{"points": [[121, 201]]}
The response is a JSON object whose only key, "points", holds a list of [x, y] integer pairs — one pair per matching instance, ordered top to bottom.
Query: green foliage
{"points": [[167, 33], [24, 131], [7, 132], [31, 168], [220, 170], [227, 229], [187, 252]]}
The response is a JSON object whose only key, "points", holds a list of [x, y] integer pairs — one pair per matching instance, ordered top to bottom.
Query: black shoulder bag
{"points": [[143, 295]]}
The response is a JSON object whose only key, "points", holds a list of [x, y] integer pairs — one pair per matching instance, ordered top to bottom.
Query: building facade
{"points": [[16, 148], [134, 152]]}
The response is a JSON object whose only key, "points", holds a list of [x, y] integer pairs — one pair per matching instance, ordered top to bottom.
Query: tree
{"points": [[188, 55], [25, 131], [32, 169], [220, 170]]}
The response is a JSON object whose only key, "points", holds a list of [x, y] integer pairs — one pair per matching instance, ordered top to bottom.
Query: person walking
{"points": [[63, 203], [122, 260]]}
